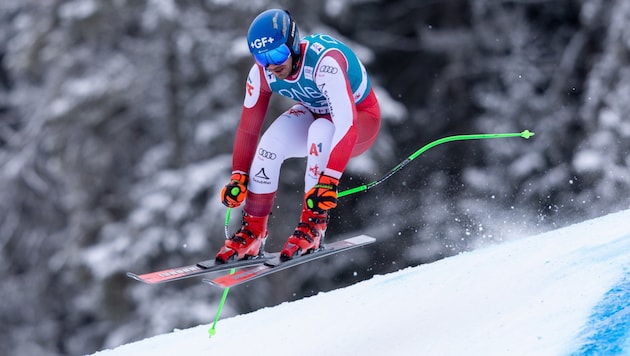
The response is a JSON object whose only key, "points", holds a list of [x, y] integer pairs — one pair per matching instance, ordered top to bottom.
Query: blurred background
{"points": [[117, 120]]}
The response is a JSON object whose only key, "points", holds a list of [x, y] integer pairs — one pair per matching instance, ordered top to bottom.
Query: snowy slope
{"points": [[565, 292]]}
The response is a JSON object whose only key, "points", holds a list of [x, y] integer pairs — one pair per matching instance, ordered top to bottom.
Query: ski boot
{"points": [[308, 235], [246, 243]]}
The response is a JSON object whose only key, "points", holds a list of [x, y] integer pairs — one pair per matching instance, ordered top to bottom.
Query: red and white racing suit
{"points": [[327, 137]]}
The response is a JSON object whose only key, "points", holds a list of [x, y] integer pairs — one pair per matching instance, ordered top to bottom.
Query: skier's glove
{"points": [[234, 192], [323, 196]]}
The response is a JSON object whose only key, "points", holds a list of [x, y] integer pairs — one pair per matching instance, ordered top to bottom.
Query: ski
{"points": [[275, 264], [200, 268]]}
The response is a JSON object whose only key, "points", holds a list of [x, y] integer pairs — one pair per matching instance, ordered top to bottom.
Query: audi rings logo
{"points": [[328, 69], [266, 154]]}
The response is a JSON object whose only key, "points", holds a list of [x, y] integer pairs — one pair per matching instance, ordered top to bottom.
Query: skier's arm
{"points": [[332, 79], [257, 94]]}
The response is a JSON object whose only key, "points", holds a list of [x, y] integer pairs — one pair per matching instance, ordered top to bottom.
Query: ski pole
{"points": [[524, 134], [213, 328]]}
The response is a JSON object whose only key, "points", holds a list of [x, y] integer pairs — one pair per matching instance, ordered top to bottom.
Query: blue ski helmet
{"points": [[273, 36]]}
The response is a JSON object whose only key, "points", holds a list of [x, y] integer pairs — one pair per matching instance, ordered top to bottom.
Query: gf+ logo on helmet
{"points": [[261, 42]]}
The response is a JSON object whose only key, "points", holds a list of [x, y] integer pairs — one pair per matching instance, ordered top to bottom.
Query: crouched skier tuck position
{"points": [[336, 117]]}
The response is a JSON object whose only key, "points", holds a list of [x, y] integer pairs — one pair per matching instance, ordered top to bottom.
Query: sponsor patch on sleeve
{"points": [[252, 88]]}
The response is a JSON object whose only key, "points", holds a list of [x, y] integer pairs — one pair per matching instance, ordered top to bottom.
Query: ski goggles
{"points": [[276, 56]]}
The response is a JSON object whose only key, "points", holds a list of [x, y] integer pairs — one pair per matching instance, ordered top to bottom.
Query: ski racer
{"points": [[336, 117]]}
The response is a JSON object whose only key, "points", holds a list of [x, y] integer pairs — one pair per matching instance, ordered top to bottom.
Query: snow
{"points": [[564, 292]]}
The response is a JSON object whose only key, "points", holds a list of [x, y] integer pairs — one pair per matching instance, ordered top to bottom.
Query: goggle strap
{"points": [[291, 37]]}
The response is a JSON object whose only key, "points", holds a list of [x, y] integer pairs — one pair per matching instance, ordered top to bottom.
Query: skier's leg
{"points": [[368, 124], [320, 135], [285, 138], [310, 231]]}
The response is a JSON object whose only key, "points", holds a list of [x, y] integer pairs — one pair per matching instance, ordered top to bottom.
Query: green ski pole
{"points": [[524, 134], [421, 150], [213, 328]]}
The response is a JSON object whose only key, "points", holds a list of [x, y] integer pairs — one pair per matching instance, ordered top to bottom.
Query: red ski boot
{"points": [[307, 236], [246, 243]]}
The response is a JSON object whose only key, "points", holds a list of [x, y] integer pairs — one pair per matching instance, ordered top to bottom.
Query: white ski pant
{"points": [[295, 133]]}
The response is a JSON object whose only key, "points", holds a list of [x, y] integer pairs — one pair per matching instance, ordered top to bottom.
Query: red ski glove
{"points": [[234, 192], [323, 196]]}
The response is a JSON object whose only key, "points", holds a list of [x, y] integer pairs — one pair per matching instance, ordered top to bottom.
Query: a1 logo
{"points": [[315, 149]]}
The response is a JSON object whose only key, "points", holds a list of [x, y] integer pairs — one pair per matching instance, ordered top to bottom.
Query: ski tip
{"points": [[361, 240], [134, 276], [141, 278], [211, 282]]}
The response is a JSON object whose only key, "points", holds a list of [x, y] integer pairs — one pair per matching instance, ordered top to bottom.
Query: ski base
{"points": [[275, 264], [200, 268]]}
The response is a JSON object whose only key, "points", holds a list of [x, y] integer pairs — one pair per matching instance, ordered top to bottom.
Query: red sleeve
{"points": [[257, 95]]}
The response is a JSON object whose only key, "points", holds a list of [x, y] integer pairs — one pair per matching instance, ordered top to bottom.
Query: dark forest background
{"points": [[117, 120]]}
